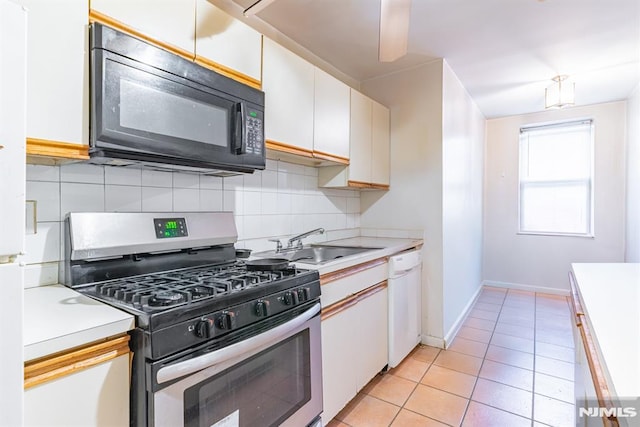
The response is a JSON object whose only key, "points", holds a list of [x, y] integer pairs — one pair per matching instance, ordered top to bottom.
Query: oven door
{"points": [[270, 379]]}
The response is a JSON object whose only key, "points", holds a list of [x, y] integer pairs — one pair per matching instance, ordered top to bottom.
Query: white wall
{"points": [[414, 98], [434, 126], [463, 154], [280, 201], [632, 247], [543, 262]]}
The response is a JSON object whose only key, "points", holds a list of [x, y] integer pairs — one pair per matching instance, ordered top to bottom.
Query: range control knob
{"points": [[303, 294], [291, 298], [262, 308], [227, 320], [203, 328]]}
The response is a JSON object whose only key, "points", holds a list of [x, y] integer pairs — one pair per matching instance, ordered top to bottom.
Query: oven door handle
{"points": [[172, 372]]}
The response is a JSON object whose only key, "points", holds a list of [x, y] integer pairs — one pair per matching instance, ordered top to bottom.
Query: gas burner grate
{"points": [[161, 290]]}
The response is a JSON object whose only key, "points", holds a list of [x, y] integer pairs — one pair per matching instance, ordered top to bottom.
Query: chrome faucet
{"points": [[299, 238]]}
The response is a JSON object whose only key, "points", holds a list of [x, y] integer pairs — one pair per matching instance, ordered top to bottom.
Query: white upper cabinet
{"points": [[168, 21], [227, 42], [57, 71], [288, 83], [331, 116], [360, 135], [379, 144], [369, 148]]}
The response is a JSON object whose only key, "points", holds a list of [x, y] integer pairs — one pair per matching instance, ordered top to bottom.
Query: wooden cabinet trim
{"points": [[101, 18], [229, 72], [286, 148], [58, 149], [331, 157], [367, 185], [355, 269], [352, 300], [576, 307], [591, 351], [49, 368], [597, 374]]}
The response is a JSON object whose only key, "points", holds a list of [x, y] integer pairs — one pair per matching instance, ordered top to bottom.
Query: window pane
{"points": [[564, 156], [560, 208]]}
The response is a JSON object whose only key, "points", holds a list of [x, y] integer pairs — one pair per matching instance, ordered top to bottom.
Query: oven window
{"points": [[147, 109], [261, 391]]}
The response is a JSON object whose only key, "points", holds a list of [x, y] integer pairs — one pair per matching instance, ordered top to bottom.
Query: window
{"points": [[556, 179]]}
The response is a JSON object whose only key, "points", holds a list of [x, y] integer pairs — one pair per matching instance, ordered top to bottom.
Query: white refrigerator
{"points": [[13, 23]]}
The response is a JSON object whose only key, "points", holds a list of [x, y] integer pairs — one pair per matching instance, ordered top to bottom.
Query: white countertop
{"points": [[385, 247], [610, 295], [57, 318]]}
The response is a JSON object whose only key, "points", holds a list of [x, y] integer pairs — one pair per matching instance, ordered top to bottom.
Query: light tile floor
{"points": [[510, 365]]}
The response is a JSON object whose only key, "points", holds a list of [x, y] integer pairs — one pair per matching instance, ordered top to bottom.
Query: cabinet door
{"points": [[168, 21], [13, 39], [227, 41], [57, 71], [287, 81], [331, 115], [360, 138], [379, 144], [372, 337], [338, 362], [97, 396]]}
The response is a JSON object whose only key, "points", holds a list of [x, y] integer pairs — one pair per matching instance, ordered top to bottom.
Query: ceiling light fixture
{"points": [[257, 7], [394, 29], [561, 94]]}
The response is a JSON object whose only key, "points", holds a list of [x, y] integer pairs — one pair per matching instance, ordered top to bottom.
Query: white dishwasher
{"points": [[404, 304]]}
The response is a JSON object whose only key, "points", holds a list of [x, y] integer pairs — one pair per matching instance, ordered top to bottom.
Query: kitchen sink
{"points": [[316, 254], [320, 254]]}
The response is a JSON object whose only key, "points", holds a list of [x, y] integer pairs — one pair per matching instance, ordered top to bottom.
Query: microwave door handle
{"points": [[240, 143], [265, 339]]}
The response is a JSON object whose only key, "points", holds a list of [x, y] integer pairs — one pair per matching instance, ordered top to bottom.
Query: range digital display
{"points": [[167, 228]]}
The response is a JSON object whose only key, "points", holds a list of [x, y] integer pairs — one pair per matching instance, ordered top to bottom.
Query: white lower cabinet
{"points": [[372, 339], [354, 346], [338, 357], [97, 396]]}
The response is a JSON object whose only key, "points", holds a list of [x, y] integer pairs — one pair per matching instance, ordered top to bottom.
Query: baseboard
{"points": [[522, 287], [453, 331], [449, 336], [432, 341]]}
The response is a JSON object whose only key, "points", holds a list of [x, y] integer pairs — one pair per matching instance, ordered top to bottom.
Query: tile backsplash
{"points": [[280, 201]]}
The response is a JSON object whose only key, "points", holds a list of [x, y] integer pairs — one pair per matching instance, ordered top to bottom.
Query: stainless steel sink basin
{"points": [[316, 254], [320, 254]]}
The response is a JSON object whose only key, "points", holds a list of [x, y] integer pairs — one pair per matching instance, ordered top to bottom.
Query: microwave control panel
{"points": [[255, 132]]}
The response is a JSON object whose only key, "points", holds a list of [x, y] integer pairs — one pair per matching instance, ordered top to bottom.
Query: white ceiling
{"points": [[504, 52]]}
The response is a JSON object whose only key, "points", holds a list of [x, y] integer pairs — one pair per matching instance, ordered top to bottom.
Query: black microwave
{"points": [[152, 108]]}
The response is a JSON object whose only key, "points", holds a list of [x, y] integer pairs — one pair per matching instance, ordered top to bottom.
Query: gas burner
{"points": [[199, 292], [166, 298]]}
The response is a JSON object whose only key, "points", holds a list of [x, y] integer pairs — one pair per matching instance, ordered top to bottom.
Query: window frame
{"points": [[590, 234]]}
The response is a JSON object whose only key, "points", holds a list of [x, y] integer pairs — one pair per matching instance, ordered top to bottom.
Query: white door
{"points": [[12, 128], [12, 208]]}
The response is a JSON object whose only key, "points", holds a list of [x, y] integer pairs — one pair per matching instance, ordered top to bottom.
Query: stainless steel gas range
{"points": [[218, 342]]}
